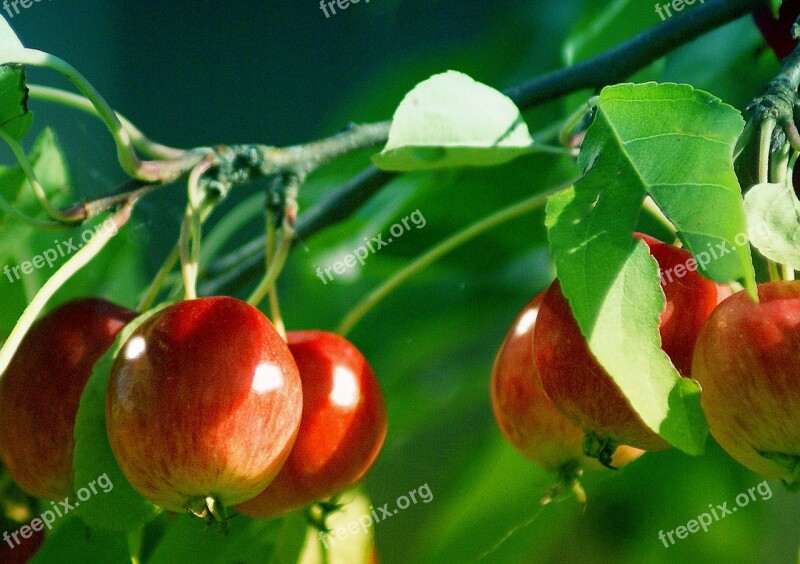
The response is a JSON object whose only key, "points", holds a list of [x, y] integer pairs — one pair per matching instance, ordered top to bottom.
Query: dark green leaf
{"points": [[122, 508]]}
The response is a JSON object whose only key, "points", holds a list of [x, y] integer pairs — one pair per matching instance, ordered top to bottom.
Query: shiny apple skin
{"points": [[690, 300], [747, 361], [41, 389], [584, 391], [204, 400], [526, 416], [342, 431]]}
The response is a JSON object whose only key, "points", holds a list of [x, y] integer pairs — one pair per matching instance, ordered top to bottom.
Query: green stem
{"points": [[575, 118], [138, 139], [764, 145], [127, 156], [146, 171], [38, 189], [33, 222], [191, 229], [448, 245], [275, 267], [772, 269], [61, 276], [158, 282], [274, 304], [135, 544]]}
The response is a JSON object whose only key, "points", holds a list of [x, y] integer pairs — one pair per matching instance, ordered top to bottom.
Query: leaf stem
{"points": [[138, 139], [765, 142], [146, 171], [38, 189], [191, 229], [448, 245], [284, 246], [61, 276], [158, 282], [274, 304]]}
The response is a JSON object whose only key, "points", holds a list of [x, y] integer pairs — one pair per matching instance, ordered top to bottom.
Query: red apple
{"points": [[778, 33], [746, 360], [41, 389], [583, 390], [204, 403], [526, 416], [342, 431], [23, 551]]}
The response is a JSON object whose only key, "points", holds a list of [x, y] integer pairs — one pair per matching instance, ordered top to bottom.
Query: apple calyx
{"points": [[601, 448], [789, 461], [568, 481], [209, 508], [317, 513]]}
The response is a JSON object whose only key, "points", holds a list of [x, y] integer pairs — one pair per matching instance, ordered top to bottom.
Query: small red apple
{"points": [[778, 33], [746, 360], [41, 389], [583, 390], [204, 403], [526, 416], [342, 431], [12, 552]]}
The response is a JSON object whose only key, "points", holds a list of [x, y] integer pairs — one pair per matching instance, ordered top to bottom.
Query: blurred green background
{"points": [[279, 73]]}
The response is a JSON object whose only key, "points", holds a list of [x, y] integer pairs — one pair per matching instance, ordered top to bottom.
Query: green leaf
{"points": [[776, 6], [604, 25], [8, 38], [14, 116], [450, 120], [675, 144], [773, 218], [21, 242], [121, 508], [73, 541], [247, 541]]}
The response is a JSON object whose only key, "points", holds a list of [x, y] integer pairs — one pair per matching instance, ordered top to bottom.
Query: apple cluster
{"points": [[207, 406], [561, 409]]}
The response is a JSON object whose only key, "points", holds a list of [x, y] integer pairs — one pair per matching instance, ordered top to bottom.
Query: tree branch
{"points": [[618, 63]]}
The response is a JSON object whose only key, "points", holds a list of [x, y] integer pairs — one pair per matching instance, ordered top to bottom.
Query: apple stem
{"points": [[575, 119], [138, 139], [191, 228], [277, 260], [772, 269], [149, 298], [274, 304], [568, 479], [135, 544]]}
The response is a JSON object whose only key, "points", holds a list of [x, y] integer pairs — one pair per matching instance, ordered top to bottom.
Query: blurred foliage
{"points": [[282, 73]]}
